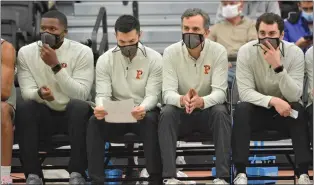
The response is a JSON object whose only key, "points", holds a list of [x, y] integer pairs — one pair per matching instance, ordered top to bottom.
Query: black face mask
{"points": [[51, 39], [192, 40], [273, 41], [129, 50]]}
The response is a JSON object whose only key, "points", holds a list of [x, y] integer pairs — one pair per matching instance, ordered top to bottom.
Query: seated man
{"points": [[253, 9], [299, 26], [233, 32], [128, 71], [309, 73], [270, 76], [55, 77], [194, 93], [8, 98]]}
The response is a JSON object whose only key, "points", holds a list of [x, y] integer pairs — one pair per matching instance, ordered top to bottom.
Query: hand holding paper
{"points": [[119, 111], [100, 112], [138, 112]]}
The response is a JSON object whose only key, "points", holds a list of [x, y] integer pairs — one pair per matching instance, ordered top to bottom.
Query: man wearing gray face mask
{"points": [[128, 71], [270, 74], [55, 76], [194, 92]]}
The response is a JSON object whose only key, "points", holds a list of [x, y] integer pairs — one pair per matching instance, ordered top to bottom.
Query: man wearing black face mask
{"points": [[128, 71], [270, 75], [55, 76], [194, 92]]}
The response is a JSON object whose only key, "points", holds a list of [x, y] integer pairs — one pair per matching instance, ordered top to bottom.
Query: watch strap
{"points": [[56, 68], [278, 69]]}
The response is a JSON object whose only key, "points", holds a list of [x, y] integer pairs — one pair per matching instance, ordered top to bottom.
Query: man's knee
{"points": [[27, 105], [79, 106], [244, 106], [219, 110], [168, 111], [6, 114], [221, 116], [151, 117], [94, 120], [94, 123]]}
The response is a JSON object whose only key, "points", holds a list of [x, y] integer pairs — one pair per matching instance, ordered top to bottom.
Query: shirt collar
{"points": [[203, 52]]}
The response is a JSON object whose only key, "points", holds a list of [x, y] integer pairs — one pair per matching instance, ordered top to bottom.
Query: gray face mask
{"points": [[51, 39], [192, 40], [129, 50]]}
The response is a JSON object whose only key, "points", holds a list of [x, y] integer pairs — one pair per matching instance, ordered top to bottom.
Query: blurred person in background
{"points": [[288, 6], [253, 9], [299, 26], [233, 32]]}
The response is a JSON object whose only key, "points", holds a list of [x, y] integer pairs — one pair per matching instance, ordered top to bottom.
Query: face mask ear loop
{"points": [[202, 41], [259, 45], [142, 51], [282, 51]]}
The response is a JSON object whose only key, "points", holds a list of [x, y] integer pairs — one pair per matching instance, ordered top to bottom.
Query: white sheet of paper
{"points": [[119, 111], [294, 114]]}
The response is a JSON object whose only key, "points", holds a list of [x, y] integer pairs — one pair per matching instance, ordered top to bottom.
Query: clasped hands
{"points": [[191, 101]]}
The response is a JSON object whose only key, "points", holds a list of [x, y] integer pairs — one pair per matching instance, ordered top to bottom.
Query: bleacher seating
{"points": [[26, 16], [160, 21], [8, 31]]}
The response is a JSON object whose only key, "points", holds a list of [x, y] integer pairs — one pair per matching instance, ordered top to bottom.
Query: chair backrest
{"points": [[21, 12], [234, 92], [305, 95], [234, 96]]}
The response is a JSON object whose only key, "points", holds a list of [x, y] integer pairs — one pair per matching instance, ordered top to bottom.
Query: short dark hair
{"points": [[194, 12], [57, 15], [270, 18], [127, 23]]}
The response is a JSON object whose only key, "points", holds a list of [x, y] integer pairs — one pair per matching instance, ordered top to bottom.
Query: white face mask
{"points": [[230, 11]]}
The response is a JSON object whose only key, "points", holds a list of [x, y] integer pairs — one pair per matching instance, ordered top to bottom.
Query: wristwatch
{"points": [[56, 68], [278, 69], [39, 93]]}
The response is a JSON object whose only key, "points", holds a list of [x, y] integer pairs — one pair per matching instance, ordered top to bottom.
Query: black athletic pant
{"points": [[250, 118], [174, 122], [36, 124], [99, 131]]}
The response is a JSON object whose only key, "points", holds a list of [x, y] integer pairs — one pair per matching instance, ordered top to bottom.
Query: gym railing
{"points": [[135, 9], [104, 43]]}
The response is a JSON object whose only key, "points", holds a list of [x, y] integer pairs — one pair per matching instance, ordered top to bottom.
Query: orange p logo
{"points": [[206, 69], [139, 74]]}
